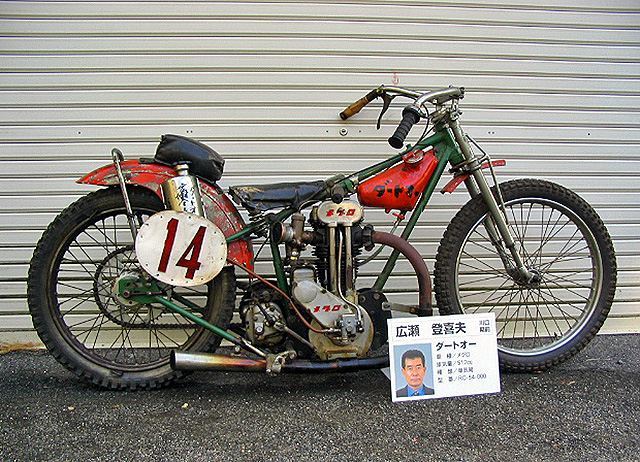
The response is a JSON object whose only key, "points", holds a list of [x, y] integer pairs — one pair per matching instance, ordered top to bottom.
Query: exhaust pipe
{"points": [[411, 254], [185, 361]]}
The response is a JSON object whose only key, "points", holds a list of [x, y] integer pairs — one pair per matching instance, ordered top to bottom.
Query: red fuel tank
{"points": [[400, 186]]}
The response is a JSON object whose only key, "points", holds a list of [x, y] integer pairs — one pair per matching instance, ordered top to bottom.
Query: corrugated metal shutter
{"points": [[554, 88]]}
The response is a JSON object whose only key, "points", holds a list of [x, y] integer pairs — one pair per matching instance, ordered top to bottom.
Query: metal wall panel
{"points": [[553, 87]]}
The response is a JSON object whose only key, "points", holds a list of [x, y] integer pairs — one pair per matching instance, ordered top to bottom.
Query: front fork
{"points": [[497, 227]]}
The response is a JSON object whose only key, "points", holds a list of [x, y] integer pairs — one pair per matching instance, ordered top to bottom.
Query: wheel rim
{"points": [[557, 246], [98, 323]]}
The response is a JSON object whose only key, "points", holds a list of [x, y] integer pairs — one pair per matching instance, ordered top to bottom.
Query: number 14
{"points": [[191, 262]]}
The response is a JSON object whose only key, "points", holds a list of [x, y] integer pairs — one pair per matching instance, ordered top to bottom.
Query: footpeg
{"points": [[413, 309]]}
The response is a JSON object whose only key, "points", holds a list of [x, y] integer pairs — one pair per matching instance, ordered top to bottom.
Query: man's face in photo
{"points": [[413, 372]]}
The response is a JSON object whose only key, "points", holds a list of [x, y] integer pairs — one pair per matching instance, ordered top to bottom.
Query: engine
{"points": [[323, 287]]}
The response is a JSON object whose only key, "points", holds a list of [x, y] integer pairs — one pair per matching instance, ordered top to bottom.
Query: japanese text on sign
{"points": [[443, 356]]}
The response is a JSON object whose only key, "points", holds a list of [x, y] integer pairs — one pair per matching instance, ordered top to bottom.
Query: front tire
{"points": [[563, 242], [81, 318]]}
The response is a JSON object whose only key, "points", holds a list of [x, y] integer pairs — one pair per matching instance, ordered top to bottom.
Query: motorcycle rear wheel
{"points": [[563, 242], [76, 309]]}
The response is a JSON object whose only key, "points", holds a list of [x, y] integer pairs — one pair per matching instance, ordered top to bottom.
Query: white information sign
{"points": [[443, 356]]}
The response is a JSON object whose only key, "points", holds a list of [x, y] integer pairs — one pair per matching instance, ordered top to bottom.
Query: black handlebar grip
{"points": [[410, 116]]}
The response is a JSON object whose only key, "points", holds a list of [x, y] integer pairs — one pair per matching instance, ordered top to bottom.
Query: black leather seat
{"points": [[203, 161], [279, 195]]}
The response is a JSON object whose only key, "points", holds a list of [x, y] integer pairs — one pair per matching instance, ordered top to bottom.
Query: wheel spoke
{"points": [[81, 261], [92, 262], [531, 316]]}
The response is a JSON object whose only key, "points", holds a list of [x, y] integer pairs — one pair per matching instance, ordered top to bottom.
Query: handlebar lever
{"points": [[386, 98], [362, 102]]}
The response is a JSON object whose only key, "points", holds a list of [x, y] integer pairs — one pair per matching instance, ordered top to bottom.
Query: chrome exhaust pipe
{"points": [[184, 361]]}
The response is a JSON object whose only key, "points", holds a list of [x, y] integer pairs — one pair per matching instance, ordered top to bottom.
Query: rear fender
{"points": [[218, 207]]}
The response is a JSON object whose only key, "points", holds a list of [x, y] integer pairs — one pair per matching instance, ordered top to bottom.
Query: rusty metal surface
{"points": [[218, 207]]}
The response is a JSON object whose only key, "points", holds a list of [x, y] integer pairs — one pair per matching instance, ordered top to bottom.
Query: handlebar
{"points": [[440, 96], [362, 102], [412, 113]]}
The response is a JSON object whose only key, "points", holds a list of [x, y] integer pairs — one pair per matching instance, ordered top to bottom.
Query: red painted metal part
{"points": [[458, 179], [399, 187], [218, 207]]}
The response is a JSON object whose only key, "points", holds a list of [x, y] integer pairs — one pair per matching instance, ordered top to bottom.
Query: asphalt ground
{"points": [[587, 409]]}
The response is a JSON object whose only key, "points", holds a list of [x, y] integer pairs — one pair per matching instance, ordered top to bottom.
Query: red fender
{"points": [[455, 182], [218, 207]]}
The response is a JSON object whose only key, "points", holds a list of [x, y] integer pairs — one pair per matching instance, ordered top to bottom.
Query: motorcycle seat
{"points": [[203, 161], [279, 195]]}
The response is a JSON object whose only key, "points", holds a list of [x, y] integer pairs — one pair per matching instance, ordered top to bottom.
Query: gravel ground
{"points": [[585, 409]]}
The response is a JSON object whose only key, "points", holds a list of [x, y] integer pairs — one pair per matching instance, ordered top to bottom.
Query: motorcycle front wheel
{"points": [[562, 241], [84, 322]]}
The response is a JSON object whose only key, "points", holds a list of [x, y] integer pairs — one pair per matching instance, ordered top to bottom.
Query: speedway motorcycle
{"points": [[138, 283]]}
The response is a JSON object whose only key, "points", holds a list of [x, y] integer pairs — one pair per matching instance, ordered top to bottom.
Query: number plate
{"points": [[180, 248]]}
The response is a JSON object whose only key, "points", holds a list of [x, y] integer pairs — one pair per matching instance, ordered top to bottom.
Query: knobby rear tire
{"points": [[563, 240], [78, 315]]}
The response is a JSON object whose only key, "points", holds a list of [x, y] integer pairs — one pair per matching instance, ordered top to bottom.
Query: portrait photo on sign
{"points": [[412, 376]]}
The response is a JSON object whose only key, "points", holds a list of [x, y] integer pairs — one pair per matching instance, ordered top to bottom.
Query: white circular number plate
{"points": [[180, 248]]}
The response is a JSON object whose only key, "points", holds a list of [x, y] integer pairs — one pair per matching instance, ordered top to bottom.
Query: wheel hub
{"points": [[117, 267], [531, 282], [121, 297]]}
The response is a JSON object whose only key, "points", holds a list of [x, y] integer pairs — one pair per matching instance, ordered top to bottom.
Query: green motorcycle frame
{"points": [[532, 252]]}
